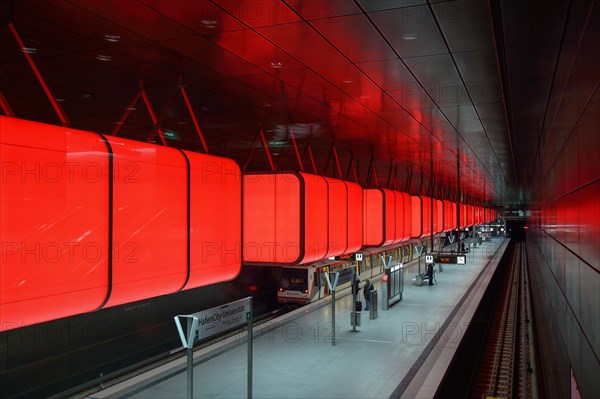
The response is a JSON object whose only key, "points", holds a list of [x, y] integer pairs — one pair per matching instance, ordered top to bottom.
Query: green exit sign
{"points": [[170, 134], [277, 143]]}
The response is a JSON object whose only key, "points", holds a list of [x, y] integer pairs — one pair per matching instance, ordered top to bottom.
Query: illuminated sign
{"points": [[461, 260]]}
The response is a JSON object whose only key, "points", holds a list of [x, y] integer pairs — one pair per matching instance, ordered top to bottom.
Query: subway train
{"points": [[90, 221]]}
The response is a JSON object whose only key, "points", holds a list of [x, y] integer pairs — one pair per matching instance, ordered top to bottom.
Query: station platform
{"points": [[404, 353]]}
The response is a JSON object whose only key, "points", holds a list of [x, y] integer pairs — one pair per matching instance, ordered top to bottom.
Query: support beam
{"points": [[6, 106], [57, 108]]}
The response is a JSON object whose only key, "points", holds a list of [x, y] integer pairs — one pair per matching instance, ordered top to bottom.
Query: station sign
{"points": [[359, 257], [428, 258], [212, 321]]}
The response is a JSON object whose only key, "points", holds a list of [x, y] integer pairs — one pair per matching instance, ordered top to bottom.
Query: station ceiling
{"points": [[413, 85]]}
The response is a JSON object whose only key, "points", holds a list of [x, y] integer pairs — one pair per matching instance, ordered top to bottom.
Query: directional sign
{"points": [[359, 257], [428, 258], [461, 260], [332, 285], [212, 321]]}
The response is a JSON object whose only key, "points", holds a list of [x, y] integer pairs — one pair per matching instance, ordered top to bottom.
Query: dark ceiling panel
{"points": [[377, 5], [319, 9], [257, 13], [135, 17], [205, 18], [465, 24], [411, 31], [355, 37], [304, 43], [332, 66], [480, 73], [440, 79]]}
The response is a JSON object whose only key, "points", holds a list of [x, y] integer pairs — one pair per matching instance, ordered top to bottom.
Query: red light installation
{"points": [[150, 191], [407, 209], [389, 214], [426, 215], [463, 216], [315, 217], [355, 217], [373, 217], [399, 217], [416, 217], [285, 218], [215, 219], [54, 222], [439, 224], [337, 242]]}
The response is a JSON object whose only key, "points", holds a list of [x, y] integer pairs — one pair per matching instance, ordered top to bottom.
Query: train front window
{"points": [[293, 279]]}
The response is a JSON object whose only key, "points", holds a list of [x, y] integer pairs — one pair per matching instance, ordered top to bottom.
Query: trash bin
{"points": [[374, 305], [355, 318]]}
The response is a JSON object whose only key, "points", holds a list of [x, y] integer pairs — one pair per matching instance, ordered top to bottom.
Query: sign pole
{"points": [[332, 285], [249, 317], [190, 358]]}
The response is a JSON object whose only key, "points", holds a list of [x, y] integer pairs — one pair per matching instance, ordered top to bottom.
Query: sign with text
{"points": [[428, 258], [212, 321]]}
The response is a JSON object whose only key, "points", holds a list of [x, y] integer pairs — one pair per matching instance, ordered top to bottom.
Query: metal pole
{"points": [[354, 300], [333, 316], [250, 317], [190, 361]]}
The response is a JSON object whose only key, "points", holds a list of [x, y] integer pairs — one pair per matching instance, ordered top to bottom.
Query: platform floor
{"points": [[402, 353]]}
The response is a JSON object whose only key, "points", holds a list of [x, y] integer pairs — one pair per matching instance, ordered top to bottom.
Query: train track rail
{"points": [[502, 370]]}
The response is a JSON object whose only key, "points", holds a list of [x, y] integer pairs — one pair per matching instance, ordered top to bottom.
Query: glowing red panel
{"points": [[267, 198], [407, 211], [54, 213], [373, 213], [389, 214], [426, 215], [447, 215], [469, 215], [454, 216], [463, 216], [259, 217], [316, 217], [338, 217], [355, 217], [399, 217], [285, 218], [416, 218], [215, 219], [150, 224], [439, 224]]}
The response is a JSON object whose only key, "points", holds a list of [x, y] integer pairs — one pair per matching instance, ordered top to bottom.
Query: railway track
{"points": [[502, 369]]}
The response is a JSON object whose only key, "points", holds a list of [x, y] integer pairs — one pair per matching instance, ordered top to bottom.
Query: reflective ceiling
{"points": [[415, 86]]}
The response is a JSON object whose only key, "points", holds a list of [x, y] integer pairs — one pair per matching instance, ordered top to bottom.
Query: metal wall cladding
{"points": [[54, 222], [564, 234]]}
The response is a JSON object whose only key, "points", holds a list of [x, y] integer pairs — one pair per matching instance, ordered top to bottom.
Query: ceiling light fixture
{"points": [[209, 23], [410, 36], [112, 38], [28, 50], [104, 57], [276, 65], [346, 81], [130, 108]]}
